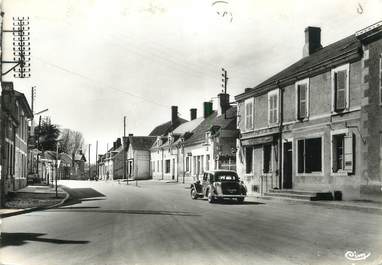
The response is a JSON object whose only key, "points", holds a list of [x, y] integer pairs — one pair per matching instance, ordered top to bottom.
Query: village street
{"points": [[158, 223]]}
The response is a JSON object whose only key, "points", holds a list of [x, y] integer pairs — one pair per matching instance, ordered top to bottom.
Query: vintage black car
{"points": [[218, 185]]}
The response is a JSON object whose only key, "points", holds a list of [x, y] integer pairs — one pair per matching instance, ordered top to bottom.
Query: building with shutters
{"points": [[316, 126]]}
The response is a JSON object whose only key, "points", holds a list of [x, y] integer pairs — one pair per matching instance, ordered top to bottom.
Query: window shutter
{"points": [[340, 86], [302, 93], [349, 153]]}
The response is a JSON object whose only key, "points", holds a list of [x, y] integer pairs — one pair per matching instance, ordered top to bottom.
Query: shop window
{"points": [[343, 153], [267, 154], [309, 155], [248, 159], [167, 168]]}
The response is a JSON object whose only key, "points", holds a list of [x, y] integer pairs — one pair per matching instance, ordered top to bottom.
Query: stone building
{"points": [[316, 127]]}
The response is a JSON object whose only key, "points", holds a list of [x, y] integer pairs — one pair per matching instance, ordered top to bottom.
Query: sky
{"points": [[95, 61]]}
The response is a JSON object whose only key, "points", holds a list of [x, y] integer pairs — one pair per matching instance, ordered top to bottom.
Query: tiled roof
{"points": [[319, 58], [21, 97], [227, 122], [188, 126], [167, 127], [142, 142]]}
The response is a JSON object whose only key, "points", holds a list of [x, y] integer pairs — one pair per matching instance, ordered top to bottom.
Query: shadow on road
{"points": [[78, 195], [234, 202], [143, 212], [18, 239]]}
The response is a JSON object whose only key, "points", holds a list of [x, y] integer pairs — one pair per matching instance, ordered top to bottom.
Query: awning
{"points": [[257, 140]]}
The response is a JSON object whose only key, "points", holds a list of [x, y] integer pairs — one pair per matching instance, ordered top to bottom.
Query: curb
{"points": [[40, 208], [359, 208]]}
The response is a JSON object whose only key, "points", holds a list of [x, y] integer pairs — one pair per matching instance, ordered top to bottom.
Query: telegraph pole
{"points": [[224, 85], [124, 150], [97, 159], [89, 160]]}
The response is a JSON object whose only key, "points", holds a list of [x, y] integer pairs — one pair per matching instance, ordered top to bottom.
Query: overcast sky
{"points": [[94, 61]]}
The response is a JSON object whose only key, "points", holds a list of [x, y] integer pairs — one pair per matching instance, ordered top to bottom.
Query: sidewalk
{"points": [[32, 198], [361, 206]]}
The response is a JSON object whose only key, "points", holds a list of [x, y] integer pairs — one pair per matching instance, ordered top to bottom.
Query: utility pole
{"points": [[224, 85], [33, 97], [124, 150], [97, 159], [89, 161], [56, 168]]}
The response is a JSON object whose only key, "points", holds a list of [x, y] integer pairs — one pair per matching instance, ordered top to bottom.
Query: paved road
{"points": [[157, 223]]}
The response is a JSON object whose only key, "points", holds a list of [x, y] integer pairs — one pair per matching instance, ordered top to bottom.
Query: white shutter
{"points": [[349, 153]]}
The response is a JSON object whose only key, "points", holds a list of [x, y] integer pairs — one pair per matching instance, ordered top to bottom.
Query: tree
{"points": [[47, 134], [71, 141]]}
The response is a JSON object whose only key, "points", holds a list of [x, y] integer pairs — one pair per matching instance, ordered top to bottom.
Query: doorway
{"points": [[287, 166]]}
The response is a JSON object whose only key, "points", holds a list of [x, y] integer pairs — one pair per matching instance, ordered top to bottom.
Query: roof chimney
{"points": [[312, 41], [223, 103], [207, 109], [174, 114], [193, 114]]}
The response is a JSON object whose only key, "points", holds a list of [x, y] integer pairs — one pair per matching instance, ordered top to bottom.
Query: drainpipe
{"points": [[281, 118]]}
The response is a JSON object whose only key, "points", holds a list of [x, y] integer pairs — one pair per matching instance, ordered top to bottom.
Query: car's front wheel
{"points": [[194, 194], [211, 197], [240, 199]]}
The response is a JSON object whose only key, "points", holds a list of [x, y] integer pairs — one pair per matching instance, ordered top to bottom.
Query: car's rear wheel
{"points": [[194, 194], [211, 197], [240, 199]]}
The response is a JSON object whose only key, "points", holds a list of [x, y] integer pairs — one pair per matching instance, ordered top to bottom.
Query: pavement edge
{"points": [[41, 208]]}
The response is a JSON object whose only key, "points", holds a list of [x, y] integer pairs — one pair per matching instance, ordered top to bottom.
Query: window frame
{"points": [[344, 67], [380, 79], [306, 82], [275, 92], [247, 102], [252, 164], [270, 166], [343, 171], [315, 173]]}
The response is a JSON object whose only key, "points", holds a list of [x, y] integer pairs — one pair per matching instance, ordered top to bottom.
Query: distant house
{"points": [[204, 143], [212, 144], [166, 152], [138, 156], [78, 165]]}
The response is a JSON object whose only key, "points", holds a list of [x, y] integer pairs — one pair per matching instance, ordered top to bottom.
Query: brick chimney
{"points": [[312, 41], [223, 103], [207, 109], [193, 113], [174, 114]]}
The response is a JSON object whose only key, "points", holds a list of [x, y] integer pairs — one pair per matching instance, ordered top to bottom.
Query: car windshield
{"points": [[226, 177]]}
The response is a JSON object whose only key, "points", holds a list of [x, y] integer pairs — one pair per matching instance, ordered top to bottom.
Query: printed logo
{"points": [[354, 256]]}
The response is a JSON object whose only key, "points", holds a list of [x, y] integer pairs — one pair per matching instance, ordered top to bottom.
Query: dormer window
{"points": [[207, 139]]}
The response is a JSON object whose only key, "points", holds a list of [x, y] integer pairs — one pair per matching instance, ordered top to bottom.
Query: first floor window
{"points": [[273, 107], [267, 151], [343, 152], [309, 155], [248, 159], [207, 162], [167, 168]]}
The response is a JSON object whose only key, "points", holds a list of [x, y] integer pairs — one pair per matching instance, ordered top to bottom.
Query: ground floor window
{"points": [[343, 152], [267, 154], [309, 155], [248, 159], [207, 162], [187, 163], [157, 166], [167, 168]]}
